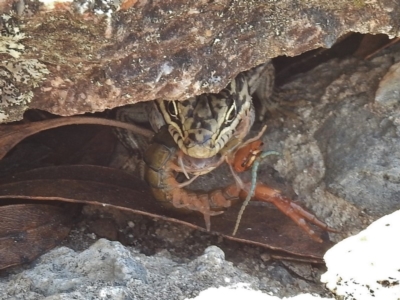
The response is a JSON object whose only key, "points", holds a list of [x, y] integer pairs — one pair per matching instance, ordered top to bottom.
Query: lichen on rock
{"points": [[110, 53], [18, 76]]}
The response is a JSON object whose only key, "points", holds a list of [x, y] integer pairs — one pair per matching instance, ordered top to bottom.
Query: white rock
{"points": [[367, 265], [241, 292]]}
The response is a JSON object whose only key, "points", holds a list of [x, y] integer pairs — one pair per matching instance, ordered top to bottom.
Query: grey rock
{"points": [[341, 153], [109, 270], [64, 271], [280, 274]]}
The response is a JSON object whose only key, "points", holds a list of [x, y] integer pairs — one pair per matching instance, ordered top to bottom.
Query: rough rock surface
{"points": [[83, 56], [340, 152], [107, 270]]}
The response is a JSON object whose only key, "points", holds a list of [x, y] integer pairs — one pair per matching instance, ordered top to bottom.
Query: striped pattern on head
{"points": [[202, 125]]}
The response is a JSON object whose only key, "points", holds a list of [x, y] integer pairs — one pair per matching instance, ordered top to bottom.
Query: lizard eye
{"points": [[172, 109], [231, 114]]}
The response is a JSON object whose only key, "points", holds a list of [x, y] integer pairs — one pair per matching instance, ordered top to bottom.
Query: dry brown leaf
{"points": [[261, 225], [29, 230]]}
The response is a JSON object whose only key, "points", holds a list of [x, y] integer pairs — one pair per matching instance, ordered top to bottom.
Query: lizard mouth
{"points": [[205, 149], [200, 151]]}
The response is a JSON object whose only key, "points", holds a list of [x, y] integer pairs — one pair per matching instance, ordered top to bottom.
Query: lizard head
{"points": [[203, 125]]}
